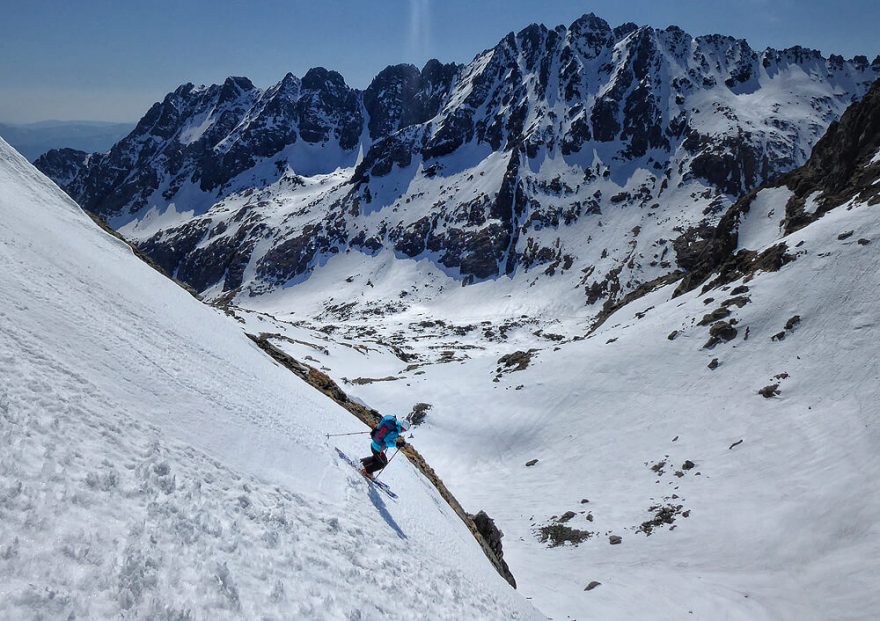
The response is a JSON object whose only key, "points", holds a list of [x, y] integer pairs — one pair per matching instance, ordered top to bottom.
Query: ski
{"points": [[380, 484]]}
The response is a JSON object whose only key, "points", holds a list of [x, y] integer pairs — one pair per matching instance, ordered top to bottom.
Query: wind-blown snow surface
{"points": [[156, 464], [776, 520]]}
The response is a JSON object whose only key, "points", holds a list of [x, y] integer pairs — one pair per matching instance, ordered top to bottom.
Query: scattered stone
{"points": [[845, 235], [864, 242], [739, 290], [708, 300], [738, 301], [715, 315], [791, 323], [723, 330], [720, 331], [672, 335], [779, 336], [610, 340], [517, 361], [714, 364], [781, 376], [769, 391], [419, 412], [675, 439], [737, 443], [531, 462], [687, 465], [584, 501], [664, 514], [565, 517], [558, 534], [615, 539], [593, 584]]}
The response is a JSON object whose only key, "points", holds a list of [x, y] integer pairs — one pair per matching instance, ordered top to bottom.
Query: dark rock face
{"points": [[401, 96], [592, 98], [63, 166], [839, 166], [486, 527]]}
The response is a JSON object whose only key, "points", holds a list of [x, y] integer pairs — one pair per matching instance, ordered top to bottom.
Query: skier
{"points": [[384, 435]]}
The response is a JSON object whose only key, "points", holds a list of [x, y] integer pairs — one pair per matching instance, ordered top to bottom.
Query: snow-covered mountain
{"points": [[579, 153], [652, 346], [723, 426], [156, 464]]}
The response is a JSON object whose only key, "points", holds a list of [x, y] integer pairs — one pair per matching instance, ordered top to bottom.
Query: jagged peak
{"points": [[590, 22], [532, 30], [624, 30], [405, 70], [317, 78], [290, 80], [240, 82], [182, 91]]}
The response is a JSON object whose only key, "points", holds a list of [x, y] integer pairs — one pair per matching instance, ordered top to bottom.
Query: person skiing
{"points": [[384, 436]]}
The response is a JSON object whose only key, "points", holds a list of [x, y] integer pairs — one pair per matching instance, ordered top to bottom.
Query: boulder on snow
{"points": [[769, 391], [419, 412], [531, 462], [615, 539], [592, 585]]}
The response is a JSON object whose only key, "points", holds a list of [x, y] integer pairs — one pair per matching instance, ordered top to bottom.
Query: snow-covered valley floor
{"points": [[156, 464], [730, 505]]}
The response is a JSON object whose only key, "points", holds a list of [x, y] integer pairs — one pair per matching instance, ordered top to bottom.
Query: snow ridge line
{"points": [[102, 224], [325, 384]]}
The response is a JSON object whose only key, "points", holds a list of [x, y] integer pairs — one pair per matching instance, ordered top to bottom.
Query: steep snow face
{"points": [[576, 153], [725, 431], [156, 464]]}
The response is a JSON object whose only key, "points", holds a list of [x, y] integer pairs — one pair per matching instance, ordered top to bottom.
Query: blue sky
{"points": [[111, 59]]}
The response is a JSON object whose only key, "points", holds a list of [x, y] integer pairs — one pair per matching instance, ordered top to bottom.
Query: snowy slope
{"points": [[156, 464], [759, 506]]}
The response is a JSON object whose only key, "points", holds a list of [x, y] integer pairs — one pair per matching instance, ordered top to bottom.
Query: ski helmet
{"points": [[404, 424]]}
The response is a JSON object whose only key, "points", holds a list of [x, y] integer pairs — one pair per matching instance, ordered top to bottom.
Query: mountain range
{"points": [[588, 152], [621, 279]]}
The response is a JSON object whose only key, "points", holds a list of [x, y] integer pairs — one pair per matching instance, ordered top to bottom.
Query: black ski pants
{"points": [[375, 462]]}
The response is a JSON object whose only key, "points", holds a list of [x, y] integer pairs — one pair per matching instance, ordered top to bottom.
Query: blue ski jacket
{"points": [[385, 433]]}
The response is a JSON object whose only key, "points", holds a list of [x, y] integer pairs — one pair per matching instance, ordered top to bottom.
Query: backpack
{"points": [[381, 430]]}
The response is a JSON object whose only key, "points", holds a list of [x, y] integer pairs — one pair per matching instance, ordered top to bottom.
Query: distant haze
{"points": [[111, 60], [34, 139]]}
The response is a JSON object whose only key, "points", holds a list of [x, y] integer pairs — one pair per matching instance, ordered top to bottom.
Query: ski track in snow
{"points": [[157, 465]]}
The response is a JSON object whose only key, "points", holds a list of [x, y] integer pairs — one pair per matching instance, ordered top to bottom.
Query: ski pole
{"points": [[356, 433], [386, 465]]}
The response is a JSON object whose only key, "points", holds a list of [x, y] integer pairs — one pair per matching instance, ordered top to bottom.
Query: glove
{"points": [[399, 442]]}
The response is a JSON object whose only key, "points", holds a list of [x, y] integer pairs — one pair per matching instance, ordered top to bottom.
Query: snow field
{"points": [[157, 464], [779, 526]]}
